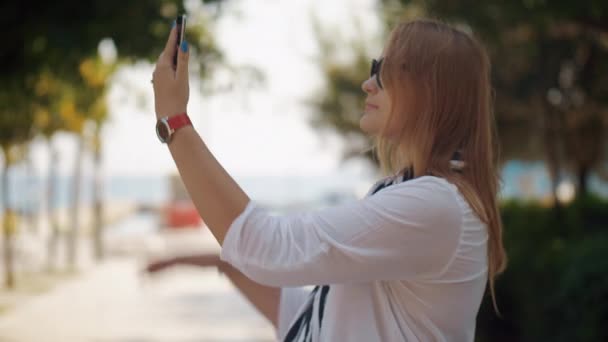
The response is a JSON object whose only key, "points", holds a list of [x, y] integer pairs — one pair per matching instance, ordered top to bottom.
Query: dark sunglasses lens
{"points": [[375, 70]]}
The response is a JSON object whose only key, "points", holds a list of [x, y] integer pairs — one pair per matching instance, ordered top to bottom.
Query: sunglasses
{"points": [[375, 71]]}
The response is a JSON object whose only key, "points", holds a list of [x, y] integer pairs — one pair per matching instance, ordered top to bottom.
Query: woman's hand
{"points": [[171, 88], [200, 260], [159, 265]]}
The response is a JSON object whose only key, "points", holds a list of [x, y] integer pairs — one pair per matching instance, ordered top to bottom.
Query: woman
{"points": [[408, 262]]}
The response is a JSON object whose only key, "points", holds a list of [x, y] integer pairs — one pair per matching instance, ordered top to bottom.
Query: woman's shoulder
{"points": [[432, 183], [428, 184], [441, 192], [426, 194]]}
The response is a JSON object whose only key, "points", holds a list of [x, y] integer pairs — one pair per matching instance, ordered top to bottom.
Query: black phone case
{"points": [[178, 24]]}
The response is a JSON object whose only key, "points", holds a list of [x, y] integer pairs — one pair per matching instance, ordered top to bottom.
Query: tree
{"points": [[58, 40], [96, 73], [48, 90], [339, 104], [75, 110], [16, 123]]}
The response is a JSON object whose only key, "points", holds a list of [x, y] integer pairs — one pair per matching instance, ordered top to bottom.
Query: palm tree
{"points": [[96, 73], [85, 102], [74, 120], [47, 121], [16, 123]]}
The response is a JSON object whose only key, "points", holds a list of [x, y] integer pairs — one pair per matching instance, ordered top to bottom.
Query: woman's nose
{"points": [[369, 86]]}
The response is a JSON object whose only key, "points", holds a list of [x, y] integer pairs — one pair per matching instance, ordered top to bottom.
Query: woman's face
{"points": [[376, 112]]}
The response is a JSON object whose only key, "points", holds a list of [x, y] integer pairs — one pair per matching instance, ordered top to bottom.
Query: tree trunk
{"points": [[551, 141], [583, 178], [32, 199], [73, 234], [53, 239], [98, 247], [9, 273]]}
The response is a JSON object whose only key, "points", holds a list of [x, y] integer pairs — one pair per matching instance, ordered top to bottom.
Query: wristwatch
{"points": [[166, 127]]}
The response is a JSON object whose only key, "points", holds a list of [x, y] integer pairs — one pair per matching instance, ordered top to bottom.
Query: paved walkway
{"points": [[114, 302]]}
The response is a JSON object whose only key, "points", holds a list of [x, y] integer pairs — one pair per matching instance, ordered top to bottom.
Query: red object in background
{"points": [[182, 214]]}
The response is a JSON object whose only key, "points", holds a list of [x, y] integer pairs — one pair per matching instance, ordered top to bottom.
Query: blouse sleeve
{"points": [[408, 230]]}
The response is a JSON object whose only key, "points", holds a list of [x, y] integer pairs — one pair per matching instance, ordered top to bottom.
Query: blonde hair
{"points": [[451, 111]]}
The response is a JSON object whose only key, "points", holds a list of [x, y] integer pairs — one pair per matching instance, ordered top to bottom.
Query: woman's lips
{"points": [[370, 106]]}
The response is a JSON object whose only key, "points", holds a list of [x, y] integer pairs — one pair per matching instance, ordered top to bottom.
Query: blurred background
{"points": [[89, 195]]}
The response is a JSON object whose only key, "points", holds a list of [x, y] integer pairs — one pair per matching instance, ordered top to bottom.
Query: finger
{"points": [[170, 47], [183, 56], [160, 58], [164, 68], [152, 266], [155, 267]]}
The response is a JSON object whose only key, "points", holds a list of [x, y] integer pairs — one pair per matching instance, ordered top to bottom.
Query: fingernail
{"points": [[173, 24], [184, 46]]}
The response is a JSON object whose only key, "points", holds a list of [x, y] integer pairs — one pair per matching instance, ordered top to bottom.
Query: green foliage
{"points": [[62, 33], [50, 70], [339, 105], [16, 118], [555, 287]]}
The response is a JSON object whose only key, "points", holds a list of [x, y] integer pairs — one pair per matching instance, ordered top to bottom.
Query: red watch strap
{"points": [[179, 120]]}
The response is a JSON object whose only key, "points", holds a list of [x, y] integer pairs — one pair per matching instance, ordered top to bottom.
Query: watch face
{"points": [[162, 131]]}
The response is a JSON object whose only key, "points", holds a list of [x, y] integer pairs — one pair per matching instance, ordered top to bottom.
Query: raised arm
{"points": [[217, 197], [410, 230]]}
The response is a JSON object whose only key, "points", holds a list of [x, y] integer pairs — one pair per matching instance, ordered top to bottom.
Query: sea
{"points": [[27, 192]]}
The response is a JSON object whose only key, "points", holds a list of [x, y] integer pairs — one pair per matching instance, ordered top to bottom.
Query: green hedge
{"points": [[555, 287]]}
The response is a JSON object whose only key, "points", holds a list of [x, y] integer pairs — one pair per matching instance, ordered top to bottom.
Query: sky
{"points": [[261, 132]]}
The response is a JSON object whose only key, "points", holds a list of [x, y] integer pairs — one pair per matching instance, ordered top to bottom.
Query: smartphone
{"points": [[180, 23]]}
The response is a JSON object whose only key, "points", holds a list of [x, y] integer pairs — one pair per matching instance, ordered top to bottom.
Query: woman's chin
{"points": [[365, 125]]}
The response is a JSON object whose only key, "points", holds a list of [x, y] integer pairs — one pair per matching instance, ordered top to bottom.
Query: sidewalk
{"points": [[30, 248], [114, 302]]}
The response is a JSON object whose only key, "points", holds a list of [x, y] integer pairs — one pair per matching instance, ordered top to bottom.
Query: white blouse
{"points": [[408, 263]]}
